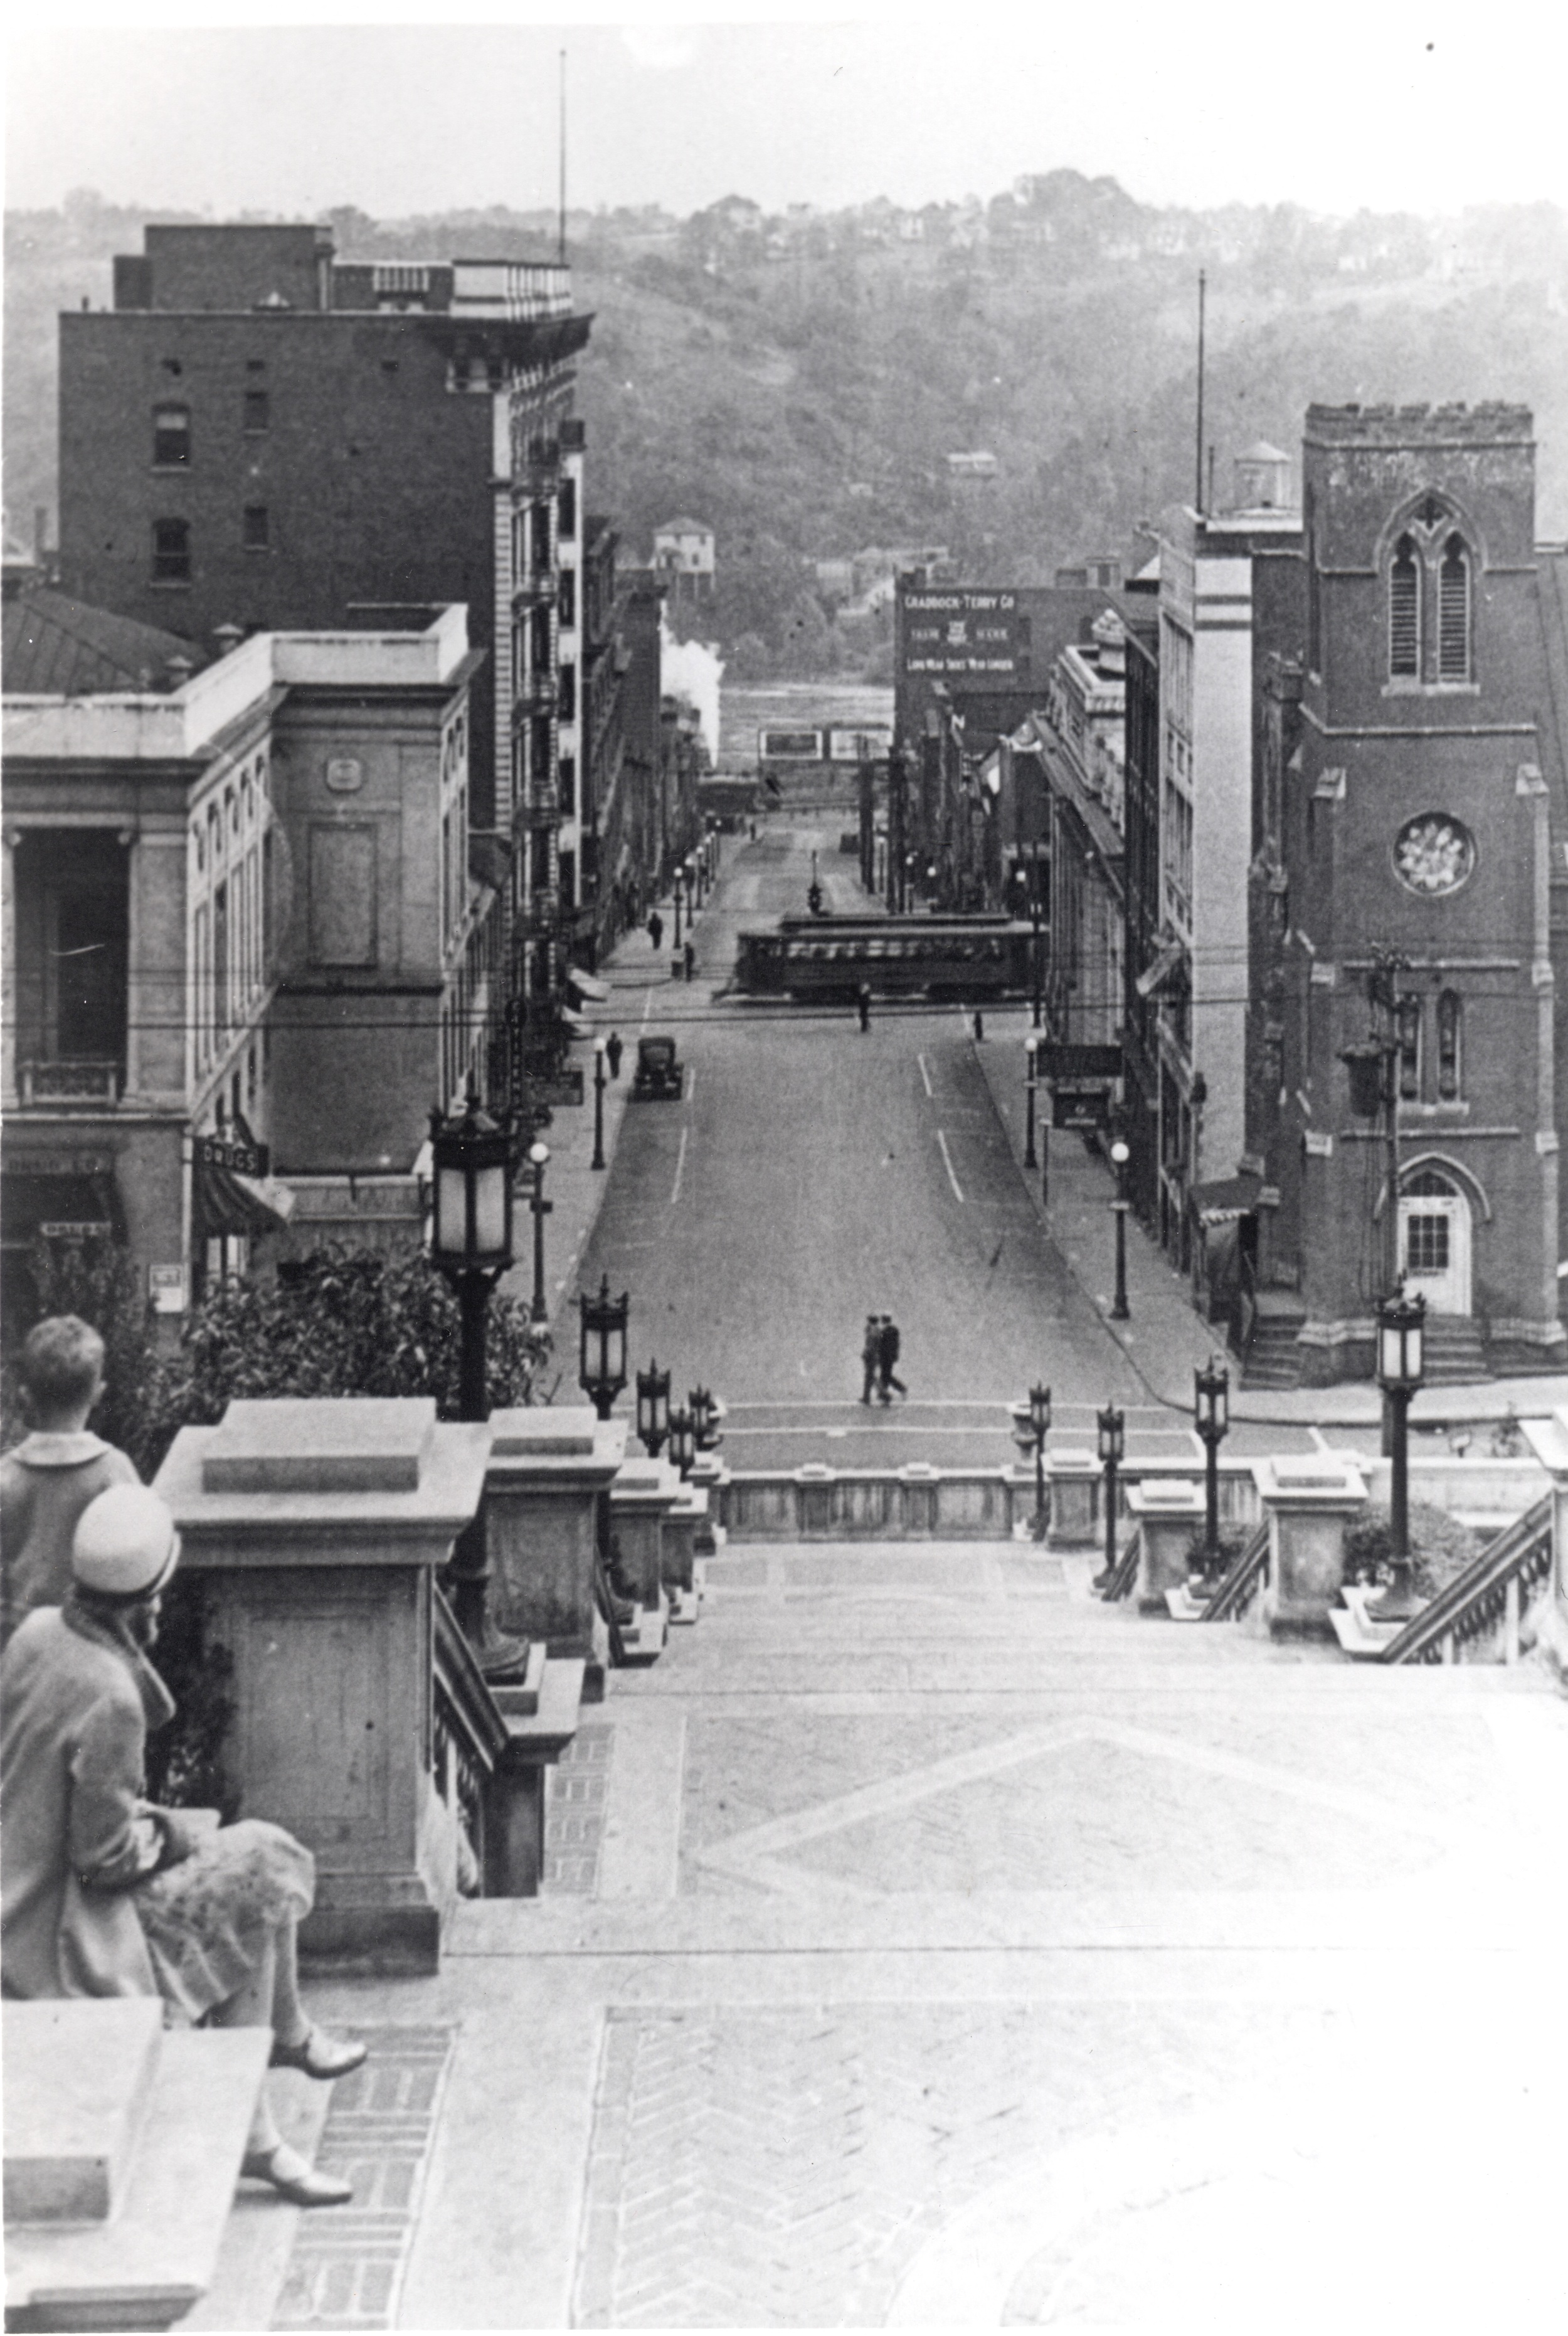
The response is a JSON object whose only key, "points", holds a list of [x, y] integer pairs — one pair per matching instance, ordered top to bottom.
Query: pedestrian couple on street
{"points": [[879, 1359]]}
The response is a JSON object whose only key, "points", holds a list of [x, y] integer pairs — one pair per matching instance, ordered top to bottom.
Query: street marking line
{"points": [[647, 1009], [925, 1074], [690, 1083], [947, 1163], [679, 1167]]}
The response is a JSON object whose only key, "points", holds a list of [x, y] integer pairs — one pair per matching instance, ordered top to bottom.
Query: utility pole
{"points": [[1203, 289]]}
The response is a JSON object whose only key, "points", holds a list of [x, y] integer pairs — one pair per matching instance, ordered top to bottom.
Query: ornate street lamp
{"points": [[675, 887], [598, 1050], [1031, 1061], [538, 1154], [1120, 1155], [471, 1227], [1401, 1323], [601, 1348], [700, 1405], [652, 1408], [1211, 1417], [1031, 1425], [1113, 1430], [682, 1441]]}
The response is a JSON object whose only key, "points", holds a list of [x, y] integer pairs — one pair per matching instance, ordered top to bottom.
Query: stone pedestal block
{"points": [[550, 1471], [710, 1476], [1073, 1494], [641, 1496], [1310, 1505], [1168, 1511], [687, 1513], [317, 1535], [123, 2148]]}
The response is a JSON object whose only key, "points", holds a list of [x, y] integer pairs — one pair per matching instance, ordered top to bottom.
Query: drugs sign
{"points": [[1082, 1107]]}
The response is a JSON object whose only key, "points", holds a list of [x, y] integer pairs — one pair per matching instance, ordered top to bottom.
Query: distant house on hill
{"points": [[977, 463], [683, 551]]}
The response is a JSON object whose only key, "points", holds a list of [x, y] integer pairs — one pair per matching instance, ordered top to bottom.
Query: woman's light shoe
{"points": [[318, 2055], [295, 2178]]}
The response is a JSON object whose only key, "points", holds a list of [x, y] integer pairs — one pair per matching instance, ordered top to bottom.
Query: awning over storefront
{"points": [[587, 985], [576, 1024], [1226, 1200], [223, 1201]]}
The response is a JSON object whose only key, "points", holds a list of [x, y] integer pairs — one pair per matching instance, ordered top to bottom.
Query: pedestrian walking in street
{"points": [[656, 929], [689, 954], [863, 1001], [613, 1050], [887, 1345], [870, 1356], [49, 1478]]}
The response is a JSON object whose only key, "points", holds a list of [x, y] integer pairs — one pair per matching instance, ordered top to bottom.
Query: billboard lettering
{"points": [[962, 633]]}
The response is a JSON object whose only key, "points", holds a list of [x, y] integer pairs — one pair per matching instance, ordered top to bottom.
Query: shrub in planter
{"points": [[1232, 1541], [1440, 1546]]}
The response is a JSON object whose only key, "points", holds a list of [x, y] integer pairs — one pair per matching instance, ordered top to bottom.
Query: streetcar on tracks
{"points": [[966, 959]]}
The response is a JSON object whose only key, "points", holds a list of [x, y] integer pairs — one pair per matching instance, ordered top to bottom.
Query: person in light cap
{"points": [[104, 1894]]}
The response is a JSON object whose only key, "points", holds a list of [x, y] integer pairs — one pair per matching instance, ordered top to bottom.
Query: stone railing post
{"points": [[1548, 1439], [549, 1472], [641, 1496], [1073, 1499], [1311, 1505], [1170, 1510], [686, 1517], [317, 1528]]}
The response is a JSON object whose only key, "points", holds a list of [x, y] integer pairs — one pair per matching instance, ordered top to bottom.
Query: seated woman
{"points": [[104, 1894]]}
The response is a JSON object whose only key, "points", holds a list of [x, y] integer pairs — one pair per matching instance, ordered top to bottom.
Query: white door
{"points": [[1434, 1242]]}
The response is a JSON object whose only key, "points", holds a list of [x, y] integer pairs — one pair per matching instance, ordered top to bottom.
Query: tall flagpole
{"points": [[1202, 287]]}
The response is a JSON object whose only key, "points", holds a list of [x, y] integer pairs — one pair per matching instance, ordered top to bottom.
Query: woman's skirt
{"points": [[206, 1920]]}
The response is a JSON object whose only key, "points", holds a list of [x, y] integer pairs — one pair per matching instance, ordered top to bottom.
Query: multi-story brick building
{"points": [[261, 434], [1412, 799]]}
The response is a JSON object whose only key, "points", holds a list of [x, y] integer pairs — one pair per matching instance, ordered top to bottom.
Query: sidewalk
{"points": [[1165, 1338]]}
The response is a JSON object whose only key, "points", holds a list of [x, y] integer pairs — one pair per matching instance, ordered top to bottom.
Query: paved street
{"points": [[812, 1173], [926, 1943]]}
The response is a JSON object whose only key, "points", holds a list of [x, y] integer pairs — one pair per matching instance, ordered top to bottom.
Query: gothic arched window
{"points": [[1405, 611], [1454, 612], [1450, 1037]]}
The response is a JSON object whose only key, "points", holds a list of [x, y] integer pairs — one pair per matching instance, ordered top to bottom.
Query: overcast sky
{"points": [[1337, 104]]}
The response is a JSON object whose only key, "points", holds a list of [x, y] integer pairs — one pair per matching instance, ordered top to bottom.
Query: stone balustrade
{"points": [[546, 1496]]}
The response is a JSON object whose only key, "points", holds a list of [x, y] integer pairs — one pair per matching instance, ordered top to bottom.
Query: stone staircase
{"points": [[1454, 1350], [1273, 1358]]}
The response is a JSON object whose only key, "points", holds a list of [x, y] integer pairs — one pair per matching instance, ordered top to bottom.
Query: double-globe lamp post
{"points": [[598, 1054], [1031, 1089], [538, 1154], [1120, 1155], [470, 1228], [1401, 1325], [1212, 1417], [1031, 1425], [1113, 1431]]}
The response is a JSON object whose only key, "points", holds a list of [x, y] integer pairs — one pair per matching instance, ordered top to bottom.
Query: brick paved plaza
{"points": [[925, 1943]]}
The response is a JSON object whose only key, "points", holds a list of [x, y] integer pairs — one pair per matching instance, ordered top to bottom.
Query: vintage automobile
{"points": [[657, 1071]]}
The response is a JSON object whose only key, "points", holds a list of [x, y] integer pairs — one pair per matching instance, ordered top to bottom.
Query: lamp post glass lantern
{"points": [[470, 1228], [1401, 1328], [601, 1348], [700, 1403], [652, 1408], [1211, 1415], [1112, 1426], [682, 1440]]}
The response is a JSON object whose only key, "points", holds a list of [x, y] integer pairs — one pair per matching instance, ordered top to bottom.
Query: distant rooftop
{"points": [[55, 647]]}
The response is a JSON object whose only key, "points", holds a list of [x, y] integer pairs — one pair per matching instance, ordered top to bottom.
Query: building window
{"points": [[258, 412], [170, 436], [565, 508], [258, 527], [171, 552], [568, 596], [1405, 612], [1454, 612], [568, 693], [568, 786], [1408, 1036], [1450, 1066], [1426, 1243]]}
